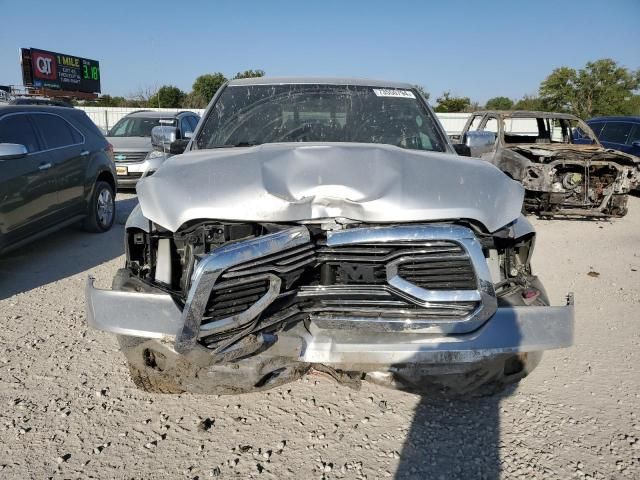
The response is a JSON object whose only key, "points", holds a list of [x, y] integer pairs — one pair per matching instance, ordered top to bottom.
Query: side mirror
{"points": [[163, 136], [479, 139], [177, 147], [462, 149], [10, 151]]}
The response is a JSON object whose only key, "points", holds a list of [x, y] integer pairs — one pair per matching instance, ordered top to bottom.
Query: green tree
{"points": [[249, 74], [600, 88], [203, 90], [422, 91], [167, 96], [194, 100], [105, 101], [109, 101], [119, 101], [529, 102], [134, 103], [447, 103], [499, 103], [634, 104]]}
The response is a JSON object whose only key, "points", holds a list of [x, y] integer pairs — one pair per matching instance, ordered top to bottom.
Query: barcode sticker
{"points": [[386, 92]]}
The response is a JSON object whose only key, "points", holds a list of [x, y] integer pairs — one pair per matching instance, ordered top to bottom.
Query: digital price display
{"points": [[59, 71]]}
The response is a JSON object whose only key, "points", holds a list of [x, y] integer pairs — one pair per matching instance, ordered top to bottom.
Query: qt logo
{"points": [[45, 66]]}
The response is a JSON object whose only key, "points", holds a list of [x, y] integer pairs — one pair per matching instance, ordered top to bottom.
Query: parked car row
{"points": [[131, 139]]}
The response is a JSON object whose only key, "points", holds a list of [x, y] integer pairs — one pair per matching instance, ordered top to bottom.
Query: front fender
{"points": [[512, 163], [98, 164], [137, 220]]}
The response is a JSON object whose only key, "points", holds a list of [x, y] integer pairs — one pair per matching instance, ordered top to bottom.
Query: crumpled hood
{"points": [[130, 143], [295, 182]]}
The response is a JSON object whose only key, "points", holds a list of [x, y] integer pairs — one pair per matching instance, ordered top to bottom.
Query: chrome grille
{"points": [[129, 157], [130, 176], [385, 252], [281, 262], [288, 265], [438, 265], [440, 273], [417, 278], [242, 286], [228, 298], [228, 301], [375, 301], [394, 309]]}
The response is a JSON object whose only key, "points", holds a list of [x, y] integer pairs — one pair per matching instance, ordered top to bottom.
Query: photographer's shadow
{"points": [[455, 433], [453, 439]]}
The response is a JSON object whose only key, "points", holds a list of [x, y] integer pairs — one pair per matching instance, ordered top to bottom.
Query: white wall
{"points": [[106, 117], [453, 123]]}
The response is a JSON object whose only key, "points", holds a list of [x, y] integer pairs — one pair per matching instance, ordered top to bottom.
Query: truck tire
{"points": [[102, 209], [495, 377], [485, 378], [146, 379], [489, 381], [152, 383]]}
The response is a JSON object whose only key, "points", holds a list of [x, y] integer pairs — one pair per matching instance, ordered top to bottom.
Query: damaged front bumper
{"points": [[510, 330]]}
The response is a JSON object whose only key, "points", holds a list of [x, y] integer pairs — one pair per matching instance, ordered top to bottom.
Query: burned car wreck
{"points": [[563, 167], [327, 225]]}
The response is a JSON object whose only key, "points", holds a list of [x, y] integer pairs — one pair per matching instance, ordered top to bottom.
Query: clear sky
{"points": [[479, 49]]}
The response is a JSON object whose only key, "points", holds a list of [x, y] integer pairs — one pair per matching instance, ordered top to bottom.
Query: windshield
{"points": [[256, 114], [138, 126]]}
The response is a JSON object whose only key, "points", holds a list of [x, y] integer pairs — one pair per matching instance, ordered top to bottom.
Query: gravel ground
{"points": [[69, 410]]}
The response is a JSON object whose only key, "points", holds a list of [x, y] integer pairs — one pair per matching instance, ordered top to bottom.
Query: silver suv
{"points": [[131, 140]]}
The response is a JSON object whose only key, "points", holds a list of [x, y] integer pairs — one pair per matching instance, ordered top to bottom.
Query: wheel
{"points": [[102, 209], [148, 375], [487, 378], [492, 379], [152, 383]]}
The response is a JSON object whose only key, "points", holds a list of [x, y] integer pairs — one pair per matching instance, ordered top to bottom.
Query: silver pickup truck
{"points": [[327, 224]]}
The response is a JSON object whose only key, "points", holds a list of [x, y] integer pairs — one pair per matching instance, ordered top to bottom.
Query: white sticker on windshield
{"points": [[386, 92], [168, 121]]}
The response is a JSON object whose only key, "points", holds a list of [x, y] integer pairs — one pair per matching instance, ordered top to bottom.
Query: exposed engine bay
{"points": [[583, 181]]}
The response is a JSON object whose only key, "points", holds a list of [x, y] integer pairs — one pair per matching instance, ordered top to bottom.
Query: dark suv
{"points": [[618, 133], [131, 140], [56, 168]]}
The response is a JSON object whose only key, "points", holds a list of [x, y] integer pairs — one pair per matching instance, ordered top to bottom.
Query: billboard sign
{"points": [[58, 71]]}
